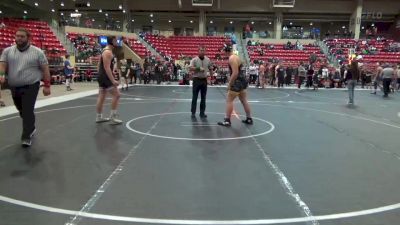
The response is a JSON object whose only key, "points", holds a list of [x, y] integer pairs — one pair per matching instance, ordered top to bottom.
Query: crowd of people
{"points": [[86, 47]]}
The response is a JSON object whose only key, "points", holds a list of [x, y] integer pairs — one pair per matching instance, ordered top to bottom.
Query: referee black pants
{"points": [[199, 85], [386, 86], [24, 98]]}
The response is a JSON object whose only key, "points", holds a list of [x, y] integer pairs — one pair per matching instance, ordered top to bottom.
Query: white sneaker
{"points": [[102, 119], [114, 120], [26, 143]]}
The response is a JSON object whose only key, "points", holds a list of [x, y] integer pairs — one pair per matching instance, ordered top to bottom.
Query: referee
{"points": [[200, 65], [27, 66]]}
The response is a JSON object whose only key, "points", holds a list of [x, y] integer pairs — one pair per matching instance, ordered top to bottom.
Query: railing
{"points": [[60, 33], [332, 59]]}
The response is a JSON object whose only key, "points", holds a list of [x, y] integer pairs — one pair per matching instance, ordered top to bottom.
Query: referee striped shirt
{"points": [[23, 68]]}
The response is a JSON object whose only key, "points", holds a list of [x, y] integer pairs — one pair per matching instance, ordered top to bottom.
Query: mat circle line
{"points": [[128, 125]]}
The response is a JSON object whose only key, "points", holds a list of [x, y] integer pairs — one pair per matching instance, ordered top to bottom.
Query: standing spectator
{"points": [[68, 72], [124, 72], [138, 72], [159, 72], [253, 72], [280, 73], [289, 73], [302, 74], [310, 74], [272, 75], [352, 75], [262, 76], [325, 76], [387, 76], [376, 77]]}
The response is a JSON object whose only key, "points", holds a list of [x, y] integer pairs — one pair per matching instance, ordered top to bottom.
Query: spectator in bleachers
{"points": [[2, 25], [249, 43], [288, 45], [88, 75]]}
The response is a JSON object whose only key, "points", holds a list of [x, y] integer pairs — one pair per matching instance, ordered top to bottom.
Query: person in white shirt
{"points": [[253, 70], [325, 75]]}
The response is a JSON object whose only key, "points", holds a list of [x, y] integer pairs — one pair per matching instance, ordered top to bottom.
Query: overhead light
{"points": [[22, 0], [36, 4], [62, 4], [88, 4], [120, 7], [52, 10], [76, 10], [100, 11], [123, 11], [1, 12], [25, 12], [62, 14], [106, 14], [76, 15], [151, 15], [93, 20], [133, 20], [152, 21], [169, 21], [191, 21], [211, 21], [231, 22], [252, 22], [270, 23], [291, 23], [311, 24], [373, 25], [344, 27], [362, 28]]}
